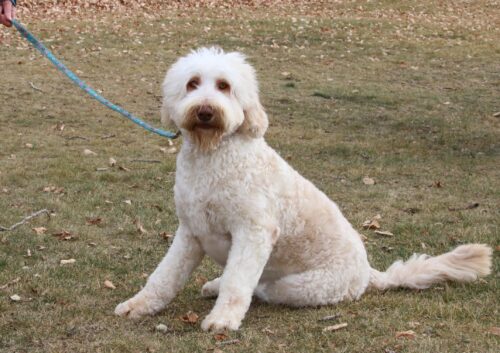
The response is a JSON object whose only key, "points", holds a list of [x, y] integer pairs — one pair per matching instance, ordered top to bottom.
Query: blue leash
{"points": [[76, 80]]}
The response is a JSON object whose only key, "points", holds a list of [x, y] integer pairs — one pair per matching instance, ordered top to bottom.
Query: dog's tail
{"points": [[464, 264]]}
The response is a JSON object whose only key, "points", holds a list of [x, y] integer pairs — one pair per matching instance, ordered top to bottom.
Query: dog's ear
{"points": [[256, 121]]}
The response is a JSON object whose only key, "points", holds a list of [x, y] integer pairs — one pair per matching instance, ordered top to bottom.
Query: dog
{"points": [[277, 236]]}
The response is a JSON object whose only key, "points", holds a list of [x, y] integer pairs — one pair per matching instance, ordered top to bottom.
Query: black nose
{"points": [[205, 113]]}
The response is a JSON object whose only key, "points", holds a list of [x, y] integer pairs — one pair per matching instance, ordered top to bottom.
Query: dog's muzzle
{"points": [[205, 114]]}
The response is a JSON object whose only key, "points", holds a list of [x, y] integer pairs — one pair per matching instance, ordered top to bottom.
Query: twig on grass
{"points": [[35, 87], [108, 136], [76, 138], [146, 160], [468, 207], [24, 220], [225, 343]]}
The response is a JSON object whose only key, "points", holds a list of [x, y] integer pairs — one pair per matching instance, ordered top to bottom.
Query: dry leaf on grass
{"points": [[170, 150], [87, 152], [368, 181], [53, 189], [128, 202], [94, 221], [372, 223], [140, 227], [39, 230], [384, 233], [64, 235], [166, 235], [67, 262], [108, 284], [15, 298], [190, 317], [335, 327], [161, 328], [494, 331], [410, 334], [221, 336]]}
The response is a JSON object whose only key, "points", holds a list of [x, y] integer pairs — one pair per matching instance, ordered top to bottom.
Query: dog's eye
{"points": [[193, 84], [223, 86]]}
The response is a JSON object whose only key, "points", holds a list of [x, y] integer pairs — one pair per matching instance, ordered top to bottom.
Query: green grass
{"points": [[359, 99]]}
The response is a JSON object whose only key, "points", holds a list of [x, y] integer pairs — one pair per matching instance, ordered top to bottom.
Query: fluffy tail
{"points": [[464, 264]]}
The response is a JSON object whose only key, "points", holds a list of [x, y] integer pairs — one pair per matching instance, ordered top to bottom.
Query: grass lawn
{"points": [[407, 95]]}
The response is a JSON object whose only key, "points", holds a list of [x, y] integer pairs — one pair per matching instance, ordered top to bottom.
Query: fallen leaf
{"points": [[170, 150], [88, 152], [368, 181], [53, 189], [128, 202], [94, 221], [372, 223], [140, 227], [40, 230], [385, 233], [63, 235], [166, 235], [67, 262], [108, 284], [15, 298], [190, 317], [335, 327], [161, 328], [494, 331], [410, 334], [221, 336]]}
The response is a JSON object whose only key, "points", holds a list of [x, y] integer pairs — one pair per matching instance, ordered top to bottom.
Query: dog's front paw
{"points": [[210, 289], [138, 306], [218, 323]]}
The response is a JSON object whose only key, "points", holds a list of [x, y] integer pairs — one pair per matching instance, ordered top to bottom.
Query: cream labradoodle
{"points": [[276, 235]]}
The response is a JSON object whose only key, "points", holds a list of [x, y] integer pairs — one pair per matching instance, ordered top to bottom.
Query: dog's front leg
{"points": [[250, 250], [182, 258]]}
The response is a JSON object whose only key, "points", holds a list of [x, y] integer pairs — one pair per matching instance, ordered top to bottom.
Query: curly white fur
{"points": [[276, 235]]}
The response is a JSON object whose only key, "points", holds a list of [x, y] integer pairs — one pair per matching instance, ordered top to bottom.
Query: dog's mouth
{"points": [[205, 126]]}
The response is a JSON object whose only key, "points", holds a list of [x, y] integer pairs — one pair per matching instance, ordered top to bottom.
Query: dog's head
{"points": [[209, 94]]}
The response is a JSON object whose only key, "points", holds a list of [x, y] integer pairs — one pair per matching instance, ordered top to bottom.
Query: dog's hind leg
{"points": [[211, 288], [313, 288]]}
